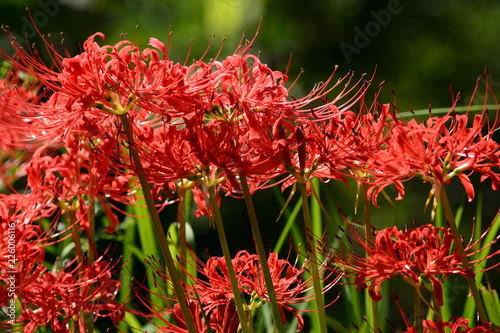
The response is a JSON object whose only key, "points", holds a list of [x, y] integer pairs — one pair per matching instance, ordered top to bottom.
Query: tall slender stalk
{"points": [[181, 220], [91, 233], [75, 234], [160, 234], [311, 254], [262, 256], [227, 257], [465, 262], [371, 308], [436, 310], [444, 311], [88, 317], [417, 320], [88, 322]]}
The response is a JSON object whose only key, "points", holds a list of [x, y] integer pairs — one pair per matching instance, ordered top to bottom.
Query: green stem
{"points": [[181, 219], [75, 234], [91, 234], [160, 234], [311, 254], [262, 256], [227, 257], [465, 262], [126, 276], [372, 308], [436, 310], [88, 317], [417, 321], [88, 322]]}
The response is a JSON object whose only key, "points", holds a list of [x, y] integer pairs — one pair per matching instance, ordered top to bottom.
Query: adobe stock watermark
{"points": [[48, 9], [363, 37], [10, 257]]}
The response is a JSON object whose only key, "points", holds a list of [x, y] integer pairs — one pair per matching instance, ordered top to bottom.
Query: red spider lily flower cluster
{"points": [[207, 122], [204, 123], [15, 148], [336, 148], [437, 150], [69, 180], [422, 256], [212, 290], [49, 296], [45, 297], [223, 318], [455, 325]]}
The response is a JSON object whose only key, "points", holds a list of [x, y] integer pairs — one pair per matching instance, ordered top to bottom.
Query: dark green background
{"points": [[420, 49]]}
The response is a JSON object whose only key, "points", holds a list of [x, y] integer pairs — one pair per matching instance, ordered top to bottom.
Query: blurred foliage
{"points": [[419, 50]]}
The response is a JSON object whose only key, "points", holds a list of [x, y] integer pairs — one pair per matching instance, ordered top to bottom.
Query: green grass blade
{"points": [[438, 111], [315, 210], [440, 221], [290, 224], [149, 243], [173, 243], [126, 277], [352, 297], [491, 303], [469, 309], [131, 323]]}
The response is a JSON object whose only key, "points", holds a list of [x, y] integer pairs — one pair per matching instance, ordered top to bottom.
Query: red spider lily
{"points": [[104, 81], [245, 86], [16, 89], [203, 122], [230, 137], [16, 143], [344, 143], [333, 148], [305, 150], [436, 150], [208, 153], [436, 153], [69, 180], [22, 241], [21, 249], [422, 256], [290, 287], [213, 288], [48, 297], [58, 298], [220, 311], [222, 318], [455, 325]]}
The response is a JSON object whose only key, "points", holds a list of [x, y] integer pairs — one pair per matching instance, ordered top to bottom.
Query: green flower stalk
{"points": [[160, 234], [262, 256], [463, 256], [312, 257], [238, 300], [371, 308]]}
